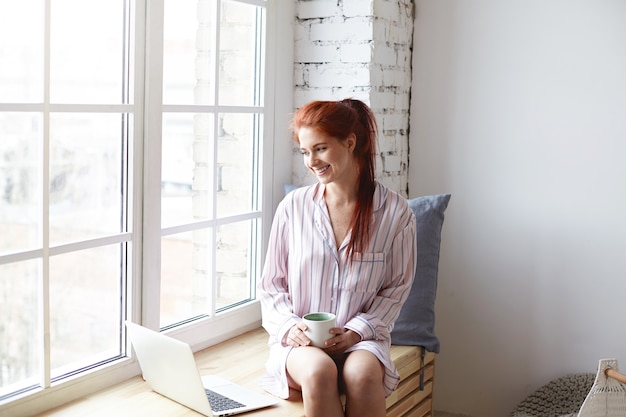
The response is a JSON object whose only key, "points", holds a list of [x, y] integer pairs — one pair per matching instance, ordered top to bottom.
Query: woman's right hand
{"points": [[296, 336]]}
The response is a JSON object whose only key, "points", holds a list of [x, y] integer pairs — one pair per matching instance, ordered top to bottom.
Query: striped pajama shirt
{"points": [[305, 272]]}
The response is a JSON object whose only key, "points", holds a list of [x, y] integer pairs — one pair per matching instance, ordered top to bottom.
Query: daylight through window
{"points": [[124, 182]]}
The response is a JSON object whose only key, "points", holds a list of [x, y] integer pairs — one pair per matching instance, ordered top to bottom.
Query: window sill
{"points": [[201, 335]]}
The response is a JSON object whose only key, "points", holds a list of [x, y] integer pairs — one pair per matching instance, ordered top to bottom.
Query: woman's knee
{"points": [[313, 371], [363, 372], [320, 375]]}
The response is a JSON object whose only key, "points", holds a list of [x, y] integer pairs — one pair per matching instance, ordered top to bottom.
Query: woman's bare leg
{"points": [[315, 374], [363, 379]]}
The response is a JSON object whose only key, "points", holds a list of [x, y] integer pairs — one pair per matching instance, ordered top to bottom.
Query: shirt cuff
{"points": [[362, 327], [283, 330]]}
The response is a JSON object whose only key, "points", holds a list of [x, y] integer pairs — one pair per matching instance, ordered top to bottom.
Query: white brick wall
{"points": [[359, 49]]}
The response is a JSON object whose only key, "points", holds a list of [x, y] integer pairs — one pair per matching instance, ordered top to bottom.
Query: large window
{"points": [[131, 175]]}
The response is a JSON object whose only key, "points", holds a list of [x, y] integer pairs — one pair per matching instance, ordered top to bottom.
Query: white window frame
{"points": [[144, 293]]}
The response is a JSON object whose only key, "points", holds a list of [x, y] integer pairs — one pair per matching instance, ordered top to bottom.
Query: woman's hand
{"points": [[296, 336], [342, 341]]}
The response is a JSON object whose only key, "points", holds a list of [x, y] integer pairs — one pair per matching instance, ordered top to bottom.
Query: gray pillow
{"points": [[287, 188], [416, 324]]}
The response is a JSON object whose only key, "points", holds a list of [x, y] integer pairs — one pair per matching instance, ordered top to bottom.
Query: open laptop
{"points": [[169, 367]]}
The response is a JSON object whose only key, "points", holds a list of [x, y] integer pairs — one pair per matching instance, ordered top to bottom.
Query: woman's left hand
{"points": [[342, 341]]}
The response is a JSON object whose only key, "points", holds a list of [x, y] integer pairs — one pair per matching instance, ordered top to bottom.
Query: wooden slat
{"points": [[403, 355], [407, 368], [411, 386], [417, 398], [424, 409]]}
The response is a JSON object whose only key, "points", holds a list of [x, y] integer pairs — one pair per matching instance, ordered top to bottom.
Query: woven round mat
{"points": [[561, 397]]}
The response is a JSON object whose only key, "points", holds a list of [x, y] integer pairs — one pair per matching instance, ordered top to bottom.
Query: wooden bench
{"points": [[242, 359]]}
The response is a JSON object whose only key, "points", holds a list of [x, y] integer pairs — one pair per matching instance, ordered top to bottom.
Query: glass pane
{"points": [[21, 51], [87, 51], [189, 52], [240, 54], [237, 164], [86, 166], [187, 168], [20, 181], [235, 262], [186, 265], [185, 276], [85, 310], [19, 325]]}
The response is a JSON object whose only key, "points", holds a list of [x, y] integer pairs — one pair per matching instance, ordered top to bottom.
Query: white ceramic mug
{"points": [[318, 327]]}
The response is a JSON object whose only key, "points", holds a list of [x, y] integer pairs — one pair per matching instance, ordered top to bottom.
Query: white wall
{"points": [[519, 110]]}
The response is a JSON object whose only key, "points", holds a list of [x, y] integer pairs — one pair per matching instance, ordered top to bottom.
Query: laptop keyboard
{"points": [[219, 402]]}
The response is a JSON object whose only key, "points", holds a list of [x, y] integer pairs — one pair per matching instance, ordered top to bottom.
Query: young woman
{"points": [[347, 246]]}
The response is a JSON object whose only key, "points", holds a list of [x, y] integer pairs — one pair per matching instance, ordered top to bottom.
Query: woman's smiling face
{"points": [[328, 158]]}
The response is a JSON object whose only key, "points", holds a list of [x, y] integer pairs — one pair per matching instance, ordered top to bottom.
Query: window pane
{"points": [[87, 51], [240, 51], [189, 52], [21, 71], [237, 164], [187, 168], [188, 174], [85, 176], [20, 181], [236, 262], [187, 270], [185, 276], [85, 310], [19, 325]]}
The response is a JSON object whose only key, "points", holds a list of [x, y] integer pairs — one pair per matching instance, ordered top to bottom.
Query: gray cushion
{"points": [[287, 188], [416, 324]]}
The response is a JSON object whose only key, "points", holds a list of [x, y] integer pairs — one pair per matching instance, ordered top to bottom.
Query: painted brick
{"points": [[352, 8], [316, 9], [388, 10], [353, 29], [380, 31], [301, 32], [396, 35], [315, 53], [361, 53], [385, 54], [404, 58], [298, 75], [376, 76], [326, 77], [393, 77], [362, 94], [303, 96], [384, 99], [402, 101], [395, 122], [386, 146], [379, 163], [392, 163]]}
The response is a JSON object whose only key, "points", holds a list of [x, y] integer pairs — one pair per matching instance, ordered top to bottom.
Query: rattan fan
{"points": [[607, 397]]}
